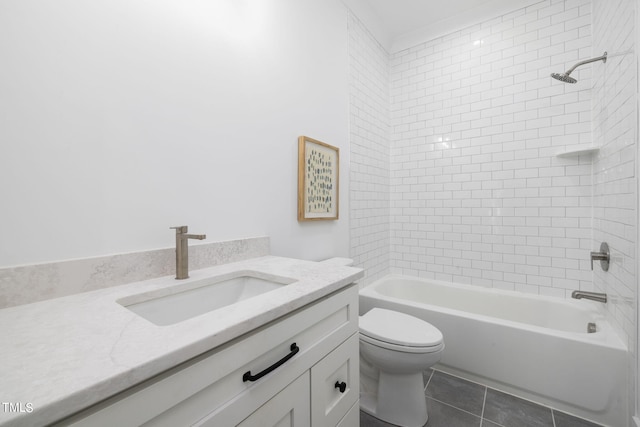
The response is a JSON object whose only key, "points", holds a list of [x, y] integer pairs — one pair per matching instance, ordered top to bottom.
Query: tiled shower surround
{"points": [[614, 117], [614, 125], [369, 129], [478, 194]]}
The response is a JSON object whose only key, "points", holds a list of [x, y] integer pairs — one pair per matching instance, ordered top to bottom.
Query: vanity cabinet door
{"points": [[335, 384], [289, 408]]}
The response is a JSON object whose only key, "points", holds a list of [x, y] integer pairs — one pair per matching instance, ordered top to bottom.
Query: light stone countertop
{"points": [[65, 354]]}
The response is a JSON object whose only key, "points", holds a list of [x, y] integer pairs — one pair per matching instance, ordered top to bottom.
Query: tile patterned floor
{"points": [[455, 402]]}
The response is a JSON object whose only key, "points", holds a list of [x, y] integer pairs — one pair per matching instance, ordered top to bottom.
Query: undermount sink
{"points": [[184, 301]]}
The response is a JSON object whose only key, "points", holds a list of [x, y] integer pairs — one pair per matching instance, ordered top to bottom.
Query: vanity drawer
{"points": [[335, 384], [209, 390], [289, 408], [352, 419]]}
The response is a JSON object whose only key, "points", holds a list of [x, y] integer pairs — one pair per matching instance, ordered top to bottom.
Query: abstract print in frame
{"points": [[318, 165]]}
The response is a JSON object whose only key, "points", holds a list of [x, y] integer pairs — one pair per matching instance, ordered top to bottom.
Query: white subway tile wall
{"points": [[614, 128], [370, 161], [478, 194]]}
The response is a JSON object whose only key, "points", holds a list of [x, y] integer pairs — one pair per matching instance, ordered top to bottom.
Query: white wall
{"points": [[121, 118], [478, 194]]}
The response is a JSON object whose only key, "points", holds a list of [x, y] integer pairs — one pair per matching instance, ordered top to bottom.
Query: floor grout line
{"points": [[459, 376], [429, 380], [486, 389], [484, 402], [454, 407], [481, 417]]}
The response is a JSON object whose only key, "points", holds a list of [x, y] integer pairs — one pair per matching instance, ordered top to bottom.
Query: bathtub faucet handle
{"points": [[603, 256]]}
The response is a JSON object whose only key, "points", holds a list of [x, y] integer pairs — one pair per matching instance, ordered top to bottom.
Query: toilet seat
{"points": [[399, 331], [401, 348]]}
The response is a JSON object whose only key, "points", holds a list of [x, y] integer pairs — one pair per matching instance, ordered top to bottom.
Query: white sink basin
{"points": [[181, 302]]}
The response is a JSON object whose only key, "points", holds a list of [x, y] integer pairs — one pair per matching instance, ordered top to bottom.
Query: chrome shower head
{"points": [[563, 77], [567, 79]]}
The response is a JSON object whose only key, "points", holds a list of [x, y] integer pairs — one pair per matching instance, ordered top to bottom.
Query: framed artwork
{"points": [[318, 165]]}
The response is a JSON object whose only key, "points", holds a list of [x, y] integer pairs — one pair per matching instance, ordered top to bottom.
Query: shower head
{"points": [[563, 77], [567, 79]]}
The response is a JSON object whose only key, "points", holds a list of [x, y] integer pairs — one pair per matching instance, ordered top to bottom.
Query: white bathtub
{"points": [[533, 346]]}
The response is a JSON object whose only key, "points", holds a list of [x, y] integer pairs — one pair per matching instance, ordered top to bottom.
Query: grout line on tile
{"points": [[460, 377], [428, 381], [486, 389], [521, 398], [484, 402], [454, 407], [493, 423]]}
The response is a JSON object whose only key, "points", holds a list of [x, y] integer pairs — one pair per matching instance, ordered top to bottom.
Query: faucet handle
{"points": [[180, 229], [604, 256]]}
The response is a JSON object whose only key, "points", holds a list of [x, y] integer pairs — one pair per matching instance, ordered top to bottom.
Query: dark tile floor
{"points": [[455, 402]]}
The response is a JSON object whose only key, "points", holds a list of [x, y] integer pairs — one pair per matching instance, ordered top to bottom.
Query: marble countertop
{"points": [[65, 354]]}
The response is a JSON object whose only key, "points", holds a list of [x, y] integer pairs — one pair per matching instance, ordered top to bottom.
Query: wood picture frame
{"points": [[318, 180]]}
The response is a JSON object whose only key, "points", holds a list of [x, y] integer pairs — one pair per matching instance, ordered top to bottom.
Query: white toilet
{"points": [[398, 348]]}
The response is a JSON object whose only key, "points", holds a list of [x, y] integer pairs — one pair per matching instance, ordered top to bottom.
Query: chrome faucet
{"points": [[182, 250], [604, 256], [594, 296]]}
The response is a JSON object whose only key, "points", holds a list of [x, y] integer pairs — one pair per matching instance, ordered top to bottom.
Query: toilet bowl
{"points": [[398, 348]]}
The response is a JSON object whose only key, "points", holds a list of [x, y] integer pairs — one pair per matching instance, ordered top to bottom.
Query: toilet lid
{"points": [[399, 328]]}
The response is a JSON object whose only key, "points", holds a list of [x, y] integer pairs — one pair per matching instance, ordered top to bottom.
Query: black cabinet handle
{"points": [[248, 377], [342, 386]]}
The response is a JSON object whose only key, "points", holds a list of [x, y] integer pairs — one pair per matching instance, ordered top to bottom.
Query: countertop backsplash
{"points": [[37, 282]]}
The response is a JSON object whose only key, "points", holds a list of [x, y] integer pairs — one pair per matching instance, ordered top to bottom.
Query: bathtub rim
{"points": [[605, 335]]}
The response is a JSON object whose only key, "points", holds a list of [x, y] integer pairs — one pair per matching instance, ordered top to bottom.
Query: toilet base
{"points": [[400, 400]]}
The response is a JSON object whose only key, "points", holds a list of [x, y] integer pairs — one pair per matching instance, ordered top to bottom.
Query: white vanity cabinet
{"points": [[315, 385], [290, 407]]}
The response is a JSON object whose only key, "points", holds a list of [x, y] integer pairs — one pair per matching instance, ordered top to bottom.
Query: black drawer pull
{"points": [[248, 377], [342, 386]]}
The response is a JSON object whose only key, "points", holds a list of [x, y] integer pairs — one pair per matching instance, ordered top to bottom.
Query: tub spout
{"points": [[594, 296]]}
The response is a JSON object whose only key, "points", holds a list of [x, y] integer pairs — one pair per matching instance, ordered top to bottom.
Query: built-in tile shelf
{"points": [[580, 151]]}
